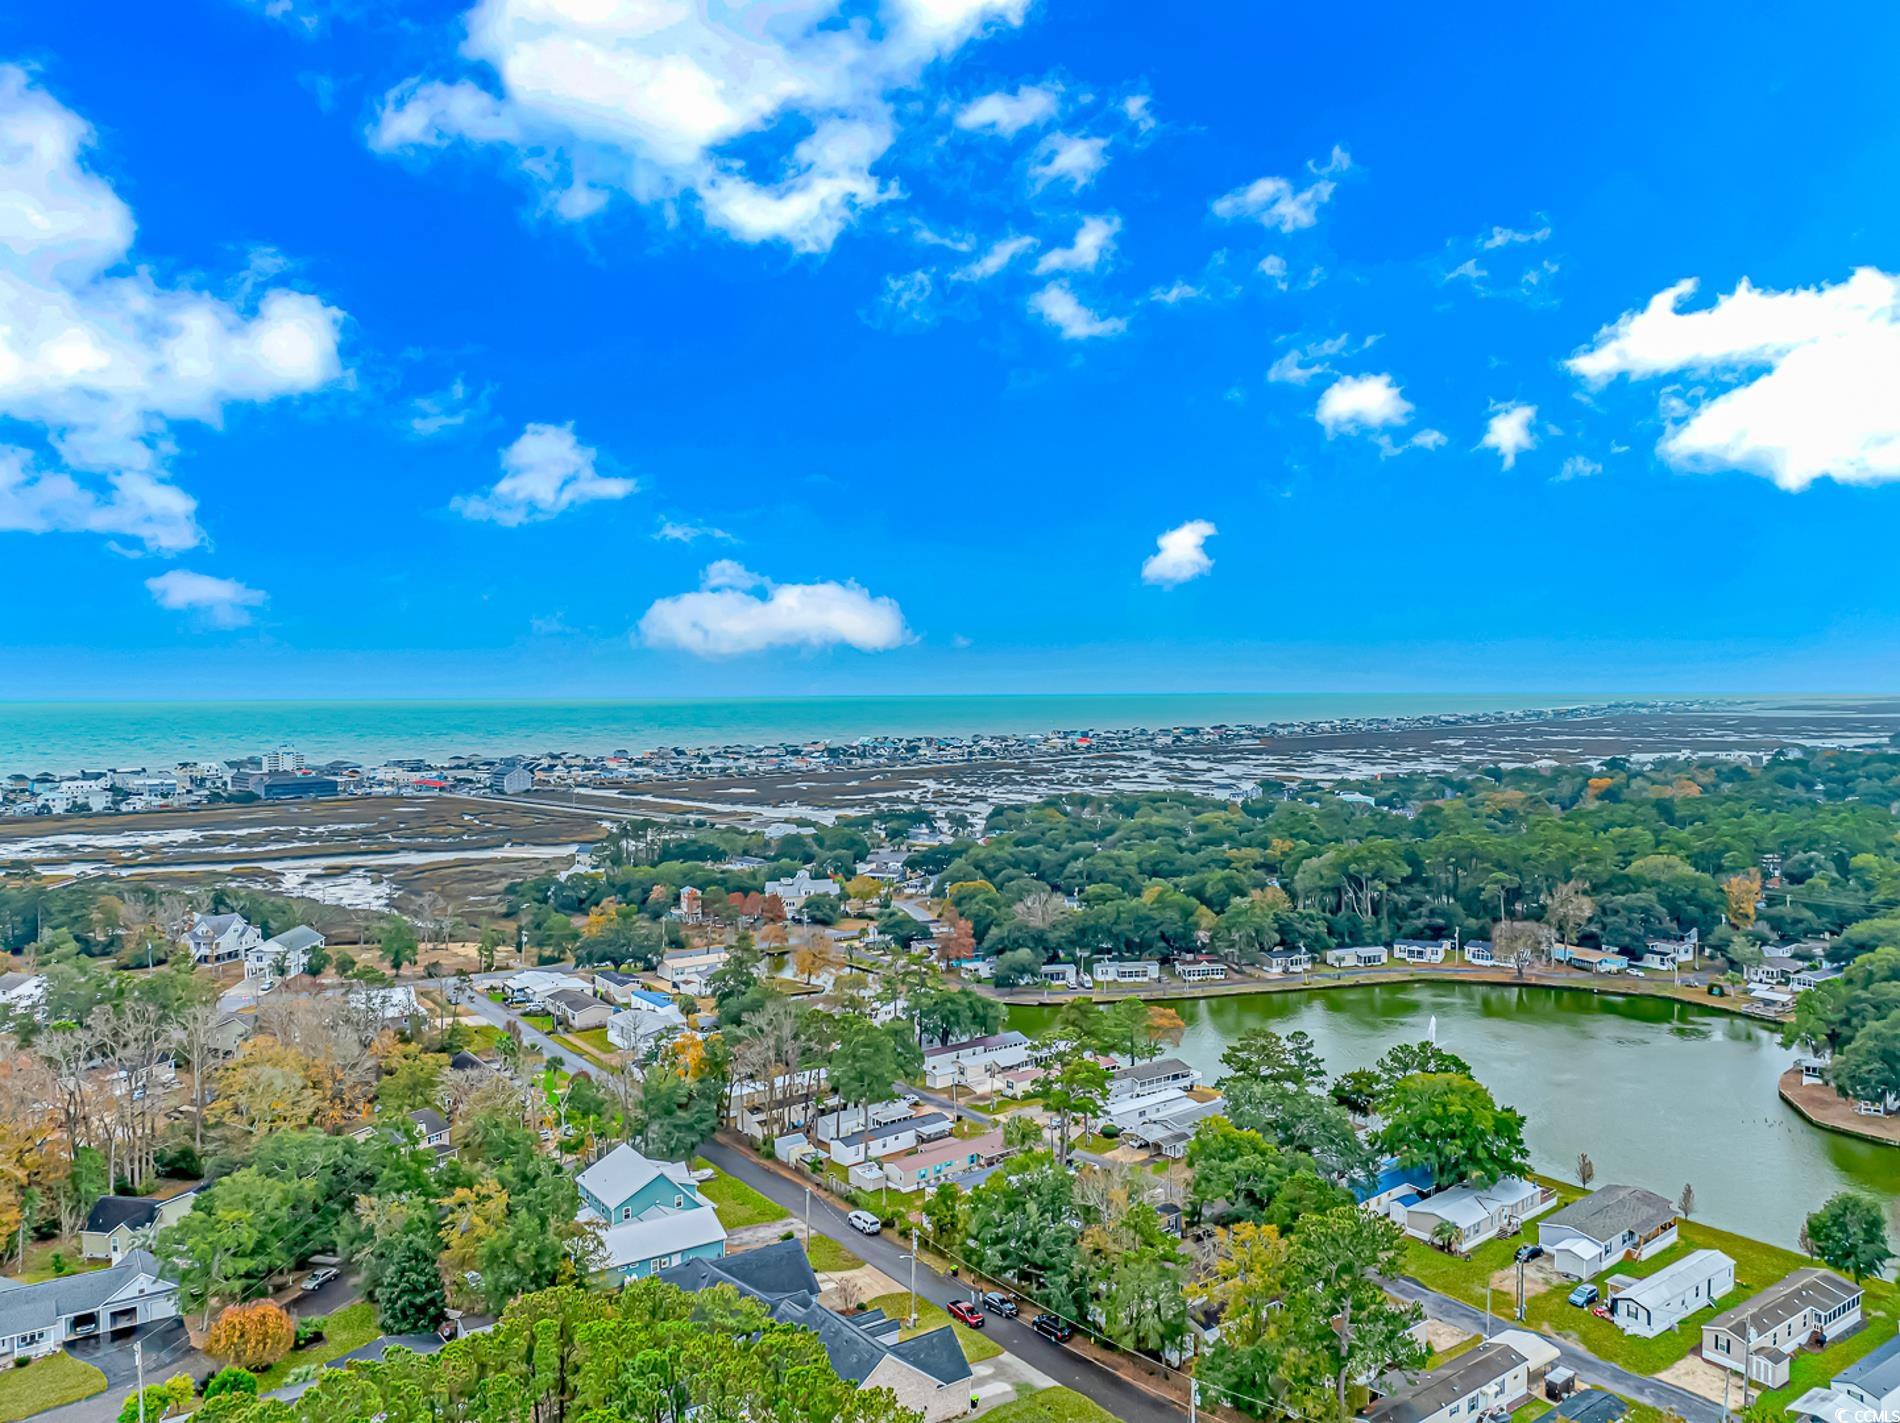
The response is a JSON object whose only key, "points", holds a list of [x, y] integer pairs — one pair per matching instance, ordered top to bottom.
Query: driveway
{"points": [[490, 1011], [887, 1252], [168, 1351], [1588, 1366]]}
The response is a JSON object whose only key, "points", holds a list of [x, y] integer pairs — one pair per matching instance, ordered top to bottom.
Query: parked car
{"points": [[1635, 973], [909, 1099], [863, 1222], [1530, 1252], [317, 1279], [1584, 1296], [1000, 1304], [964, 1312], [1056, 1331]]}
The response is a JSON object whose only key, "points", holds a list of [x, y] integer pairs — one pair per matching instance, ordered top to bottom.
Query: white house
{"points": [[793, 892], [221, 938], [1421, 950], [1480, 953], [1666, 954], [285, 956], [1358, 956], [1286, 959], [1589, 960], [1199, 968], [1775, 969], [688, 971], [1124, 971], [1060, 975], [1813, 976], [534, 985], [616, 988], [22, 993], [386, 1005], [578, 1011], [648, 1018], [972, 1058], [1145, 1079], [1132, 1112], [847, 1120], [1170, 1131], [874, 1143], [1479, 1212], [1616, 1223], [1651, 1306], [39, 1319], [1759, 1336], [1493, 1378], [1868, 1389]]}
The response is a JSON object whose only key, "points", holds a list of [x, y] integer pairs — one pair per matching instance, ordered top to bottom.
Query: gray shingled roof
{"points": [[111, 1212], [1605, 1214], [1805, 1289], [42, 1306], [1878, 1373], [1447, 1384]]}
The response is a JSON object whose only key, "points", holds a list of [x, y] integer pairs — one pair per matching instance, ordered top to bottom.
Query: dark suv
{"points": [[1000, 1304], [1056, 1331]]}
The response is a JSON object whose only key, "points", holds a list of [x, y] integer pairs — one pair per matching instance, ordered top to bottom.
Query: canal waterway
{"points": [[1659, 1093]]}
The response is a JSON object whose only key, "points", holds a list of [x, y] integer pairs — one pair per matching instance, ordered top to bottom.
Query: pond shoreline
{"points": [[1819, 1105]]}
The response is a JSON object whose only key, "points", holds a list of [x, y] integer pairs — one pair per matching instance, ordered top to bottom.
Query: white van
{"points": [[863, 1222]]}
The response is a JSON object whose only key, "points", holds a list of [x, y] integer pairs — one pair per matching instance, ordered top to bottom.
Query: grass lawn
{"points": [[543, 1021], [480, 1037], [738, 1204], [828, 1256], [39, 1261], [1882, 1309], [344, 1332], [977, 1346], [1463, 1346], [47, 1383], [1051, 1405], [1527, 1413]]}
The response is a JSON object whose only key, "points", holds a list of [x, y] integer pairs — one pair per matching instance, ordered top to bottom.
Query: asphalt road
{"points": [[486, 1008], [887, 1252], [1592, 1370]]}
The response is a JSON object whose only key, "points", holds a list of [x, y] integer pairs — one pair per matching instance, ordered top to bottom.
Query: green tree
{"points": [[398, 943], [1263, 1055], [1409, 1059], [1868, 1069], [1074, 1092], [1452, 1125], [1850, 1233], [409, 1297], [231, 1380]]}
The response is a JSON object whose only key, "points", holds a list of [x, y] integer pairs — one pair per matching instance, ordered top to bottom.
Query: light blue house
{"points": [[652, 1213]]}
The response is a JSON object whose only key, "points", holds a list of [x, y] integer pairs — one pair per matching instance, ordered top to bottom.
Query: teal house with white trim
{"points": [[652, 1214]]}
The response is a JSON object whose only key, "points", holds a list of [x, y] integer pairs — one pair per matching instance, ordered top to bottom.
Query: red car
{"points": [[966, 1313]]}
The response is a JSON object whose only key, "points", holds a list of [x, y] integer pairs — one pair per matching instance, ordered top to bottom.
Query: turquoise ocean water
{"points": [[59, 737]]}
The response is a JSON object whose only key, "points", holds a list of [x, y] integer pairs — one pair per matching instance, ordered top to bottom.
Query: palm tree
{"points": [[1447, 1237]]}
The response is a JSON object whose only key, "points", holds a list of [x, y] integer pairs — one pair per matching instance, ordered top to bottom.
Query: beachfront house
{"points": [[221, 938], [1421, 950], [285, 956], [1358, 956], [1589, 960], [1199, 968], [1124, 971], [974, 1061], [889, 1139], [1477, 1213], [653, 1214], [1615, 1223], [1659, 1302], [96, 1304], [1760, 1336], [927, 1374], [1493, 1378], [1868, 1389]]}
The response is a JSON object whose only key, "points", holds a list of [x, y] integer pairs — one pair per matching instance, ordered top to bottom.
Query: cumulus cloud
{"points": [[1138, 109], [1009, 114], [771, 117], [1067, 158], [1279, 203], [1094, 240], [998, 256], [1273, 268], [1062, 309], [103, 358], [1806, 383], [1356, 404], [1510, 432], [1578, 467], [545, 472], [1180, 554], [221, 602], [736, 611]]}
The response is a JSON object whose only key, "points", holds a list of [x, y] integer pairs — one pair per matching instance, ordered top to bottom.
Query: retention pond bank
{"points": [[1659, 1093]]}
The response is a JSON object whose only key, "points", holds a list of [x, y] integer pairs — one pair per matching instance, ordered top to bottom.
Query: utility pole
{"points": [[808, 1217], [1520, 1288], [912, 1324], [138, 1358]]}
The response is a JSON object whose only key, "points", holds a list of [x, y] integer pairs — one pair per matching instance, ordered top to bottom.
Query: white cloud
{"points": [[1139, 110], [1009, 114], [773, 117], [1068, 158], [1277, 203], [1512, 237], [1094, 240], [999, 255], [1273, 268], [1467, 271], [1176, 292], [904, 301], [1059, 306], [103, 358], [1291, 368], [1812, 377], [1358, 404], [449, 409], [1510, 432], [1577, 467], [545, 472], [678, 531], [1180, 554], [222, 602], [736, 611]]}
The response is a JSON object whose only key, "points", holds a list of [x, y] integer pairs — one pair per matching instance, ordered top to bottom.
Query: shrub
{"points": [[1110, 1131], [180, 1161], [309, 1331], [252, 1336], [304, 1373], [231, 1380], [162, 1400]]}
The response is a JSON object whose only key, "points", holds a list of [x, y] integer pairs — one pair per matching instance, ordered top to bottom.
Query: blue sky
{"points": [[946, 345]]}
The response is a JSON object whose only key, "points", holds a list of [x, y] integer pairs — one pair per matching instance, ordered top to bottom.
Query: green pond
{"points": [[1658, 1093]]}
